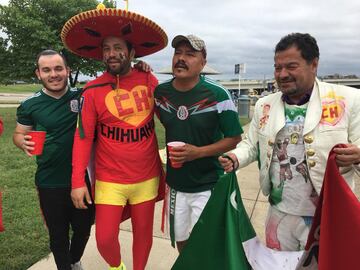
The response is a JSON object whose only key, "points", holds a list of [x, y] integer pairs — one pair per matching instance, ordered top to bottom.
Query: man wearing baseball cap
{"points": [[199, 112], [116, 117]]}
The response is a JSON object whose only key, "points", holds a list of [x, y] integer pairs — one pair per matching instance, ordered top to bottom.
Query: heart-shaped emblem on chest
{"points": [[132, 107]]}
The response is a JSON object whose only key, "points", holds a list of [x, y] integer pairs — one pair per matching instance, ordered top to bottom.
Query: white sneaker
{"points": [[77, 266]]}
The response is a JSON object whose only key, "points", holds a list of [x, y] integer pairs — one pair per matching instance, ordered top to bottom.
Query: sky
{"points": [[238, 31]]}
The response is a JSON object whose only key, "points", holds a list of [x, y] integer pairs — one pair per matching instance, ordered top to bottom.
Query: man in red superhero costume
{"points": [[116, 118]]}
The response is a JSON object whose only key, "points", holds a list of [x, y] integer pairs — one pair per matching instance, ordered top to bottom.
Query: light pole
{"points": [[240, 68], [264, 82], [239, 84]]}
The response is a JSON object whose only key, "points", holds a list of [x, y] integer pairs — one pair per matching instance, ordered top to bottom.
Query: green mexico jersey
{"points": [[200, 116], [58, 118]]}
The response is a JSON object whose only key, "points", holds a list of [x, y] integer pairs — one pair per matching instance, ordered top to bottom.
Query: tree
{"points": [[109, 3], [34, 25], [4, 56]]}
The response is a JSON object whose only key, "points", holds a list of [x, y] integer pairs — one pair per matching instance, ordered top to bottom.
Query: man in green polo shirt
{"points": [[54, 109], [199, 112]]}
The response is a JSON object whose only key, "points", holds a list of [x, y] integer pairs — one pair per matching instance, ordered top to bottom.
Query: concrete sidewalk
{"points": [[162, 255]]}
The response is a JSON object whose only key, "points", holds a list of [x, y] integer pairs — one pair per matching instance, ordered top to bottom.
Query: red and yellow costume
{"points": [[116, 117]]}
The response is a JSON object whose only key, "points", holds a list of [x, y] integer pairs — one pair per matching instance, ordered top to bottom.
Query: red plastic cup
{"points": [[39, 138], [171, 146]]}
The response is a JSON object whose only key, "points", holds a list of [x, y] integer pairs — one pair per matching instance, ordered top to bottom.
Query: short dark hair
{"points": [[304, 42], [48, 52]]}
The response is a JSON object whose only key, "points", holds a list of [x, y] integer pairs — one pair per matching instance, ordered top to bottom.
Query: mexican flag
{"points": [[224, 238], [334, 238]]}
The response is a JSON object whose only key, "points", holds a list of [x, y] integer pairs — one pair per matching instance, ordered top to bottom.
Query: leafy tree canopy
{"points": [[34, 25]]}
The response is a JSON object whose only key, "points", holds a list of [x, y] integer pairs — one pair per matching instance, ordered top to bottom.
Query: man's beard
{"points": [[123, 68], [290, 91]]}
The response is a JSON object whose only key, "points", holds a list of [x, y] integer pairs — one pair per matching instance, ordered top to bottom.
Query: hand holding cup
{"points": [[34, 142], [173, 147]]}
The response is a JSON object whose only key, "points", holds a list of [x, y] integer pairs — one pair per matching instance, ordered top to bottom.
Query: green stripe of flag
{"points": [[216, 240]]}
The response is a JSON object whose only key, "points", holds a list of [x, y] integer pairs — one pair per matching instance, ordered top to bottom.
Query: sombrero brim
{"points": [[83, 34]]}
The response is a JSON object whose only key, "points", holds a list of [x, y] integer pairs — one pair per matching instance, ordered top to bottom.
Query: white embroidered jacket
{"points": [[332, 117]]}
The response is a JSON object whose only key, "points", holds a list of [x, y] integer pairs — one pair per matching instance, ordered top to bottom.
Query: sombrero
{"points": [[83, 34]]}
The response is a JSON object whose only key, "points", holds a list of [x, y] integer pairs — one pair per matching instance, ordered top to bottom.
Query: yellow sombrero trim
{"points": [[109, 12]]}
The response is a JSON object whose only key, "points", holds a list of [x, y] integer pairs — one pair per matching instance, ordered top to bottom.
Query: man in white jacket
{"points": [[291, 134]]}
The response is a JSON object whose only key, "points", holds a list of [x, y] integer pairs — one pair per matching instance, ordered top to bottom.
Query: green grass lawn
{"points": [[20, 88], [25, 239]]}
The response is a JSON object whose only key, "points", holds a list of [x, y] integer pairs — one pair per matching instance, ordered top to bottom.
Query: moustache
{"points": [[116, 59], [181, 64], [287, 80]]}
